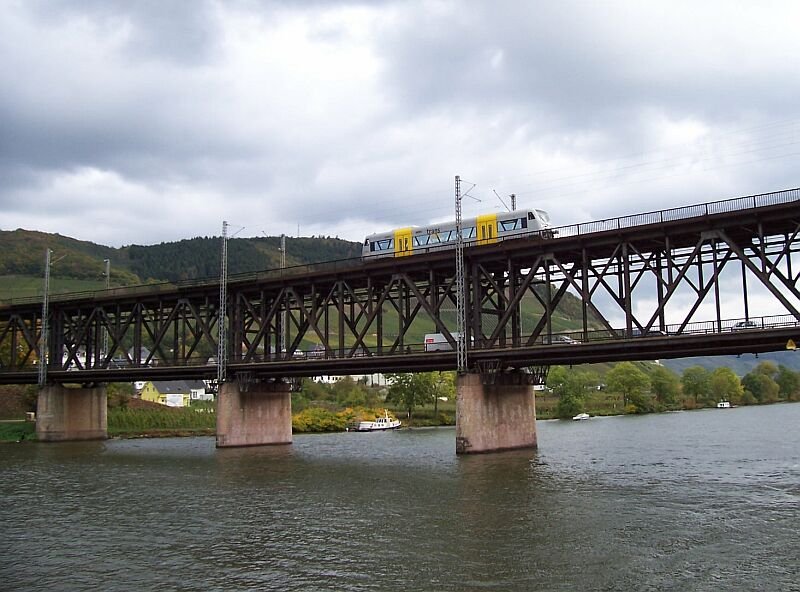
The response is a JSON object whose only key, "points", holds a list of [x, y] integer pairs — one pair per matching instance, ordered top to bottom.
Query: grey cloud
{"points": [[183, 32], [567, 67], [513, 83]]}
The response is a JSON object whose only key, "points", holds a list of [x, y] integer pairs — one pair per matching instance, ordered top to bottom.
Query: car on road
{"points": [[744, 325], [645, 333], [562, 339]]}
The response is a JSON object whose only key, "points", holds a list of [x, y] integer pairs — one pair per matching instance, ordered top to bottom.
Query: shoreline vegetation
{"points": [[428, 399], [319, 421]]}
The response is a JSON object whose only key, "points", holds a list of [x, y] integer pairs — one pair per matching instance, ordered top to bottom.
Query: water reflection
{"points": [[694, 501]]}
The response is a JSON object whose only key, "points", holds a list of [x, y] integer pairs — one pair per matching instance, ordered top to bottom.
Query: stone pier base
{"points": [[494, 412], [64, 414], [262, 414]]}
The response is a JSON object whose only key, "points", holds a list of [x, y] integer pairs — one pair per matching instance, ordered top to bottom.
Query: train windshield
{"points": [[543, 216], [515, 224]]}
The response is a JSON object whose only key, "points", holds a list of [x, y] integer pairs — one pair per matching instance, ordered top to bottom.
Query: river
{"points": [[700, 500]]}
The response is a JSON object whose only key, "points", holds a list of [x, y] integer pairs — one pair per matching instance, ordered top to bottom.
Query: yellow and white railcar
{"points": [[483, 230]]}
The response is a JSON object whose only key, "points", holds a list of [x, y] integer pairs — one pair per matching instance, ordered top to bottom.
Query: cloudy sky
{"points": [[140, 122]]}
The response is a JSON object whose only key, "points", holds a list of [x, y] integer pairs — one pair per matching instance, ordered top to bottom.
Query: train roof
{"points": [[500, 215]]}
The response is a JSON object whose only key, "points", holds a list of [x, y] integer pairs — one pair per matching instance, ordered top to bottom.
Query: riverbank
{"points": [[142, 423], [17, 431]]}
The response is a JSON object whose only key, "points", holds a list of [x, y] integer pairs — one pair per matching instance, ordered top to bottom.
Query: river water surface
{"points": [[703, 500]]}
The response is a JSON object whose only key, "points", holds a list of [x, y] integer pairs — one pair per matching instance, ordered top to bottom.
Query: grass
{"points": [[13, 286], [123, 421], [15, 431]]}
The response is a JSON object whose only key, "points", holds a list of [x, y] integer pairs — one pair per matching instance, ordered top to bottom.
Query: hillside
{"points": [[79, 265], [741, 365]]}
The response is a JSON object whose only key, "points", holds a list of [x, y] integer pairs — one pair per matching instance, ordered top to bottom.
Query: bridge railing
{"points": [[682, 213]]}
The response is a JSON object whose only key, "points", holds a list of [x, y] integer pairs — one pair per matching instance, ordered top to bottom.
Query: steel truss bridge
{"points": [[709, 279]]}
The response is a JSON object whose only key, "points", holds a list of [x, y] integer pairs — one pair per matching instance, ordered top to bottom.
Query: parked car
{"points": [[743, 325], [650, 333], [561, 339]]}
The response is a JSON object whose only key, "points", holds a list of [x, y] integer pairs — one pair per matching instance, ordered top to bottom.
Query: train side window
{"points": [[531, 216], [523, 223]]}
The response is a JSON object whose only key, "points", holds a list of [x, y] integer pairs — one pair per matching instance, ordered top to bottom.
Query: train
{"points": [[482, 230]]}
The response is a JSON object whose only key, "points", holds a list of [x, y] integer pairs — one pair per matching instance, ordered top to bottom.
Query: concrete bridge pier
{"points": [[494, 412], [64, 414], [254, 414]]}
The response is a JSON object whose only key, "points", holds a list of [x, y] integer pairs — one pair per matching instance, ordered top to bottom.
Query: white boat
{"points": [[724, 405], [581, 416], [380, 424]]}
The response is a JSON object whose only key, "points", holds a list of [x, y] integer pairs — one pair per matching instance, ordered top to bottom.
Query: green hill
{"points": [[79, 265], [741, 365]]}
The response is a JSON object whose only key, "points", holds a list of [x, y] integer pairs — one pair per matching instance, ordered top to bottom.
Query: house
{"points": [[368, 379], [175, 393]]}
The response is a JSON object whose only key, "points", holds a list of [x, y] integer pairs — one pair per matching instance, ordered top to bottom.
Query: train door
{"points": [[487, 229], [402, 242]]}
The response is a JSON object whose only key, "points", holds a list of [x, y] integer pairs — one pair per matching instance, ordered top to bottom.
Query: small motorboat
{"points": [[724, 405], [581, 417], [380, 424]]}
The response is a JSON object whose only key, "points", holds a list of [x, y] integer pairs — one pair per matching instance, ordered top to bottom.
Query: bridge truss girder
{"points": [[673, 280]]}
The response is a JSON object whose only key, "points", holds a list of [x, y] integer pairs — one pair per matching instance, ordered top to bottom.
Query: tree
{"points": [[767, 369], [556, 377], [627, 380], [695, 383], [788, 383], [760, 384], [665, 385], [724, 385], [443, 386], [410, 390], [315, 391], [571, 391], [350, 393], [119, 394]]}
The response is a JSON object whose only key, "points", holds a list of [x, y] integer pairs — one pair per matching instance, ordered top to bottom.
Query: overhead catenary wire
{"points": [[717, 150]]}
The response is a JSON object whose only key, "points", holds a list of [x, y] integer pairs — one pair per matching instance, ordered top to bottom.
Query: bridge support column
{"points": [[494, 412], [260, 413], [64, 414]]}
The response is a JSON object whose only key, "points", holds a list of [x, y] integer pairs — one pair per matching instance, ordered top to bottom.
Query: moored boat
{"points": [[724, 405], [581, 416], [380, 424]]}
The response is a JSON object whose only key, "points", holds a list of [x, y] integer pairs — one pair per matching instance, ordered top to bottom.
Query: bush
{"points": [[121, 419], [316, 419], [17, 431]]}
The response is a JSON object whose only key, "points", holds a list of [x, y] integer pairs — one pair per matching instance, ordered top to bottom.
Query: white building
{"points": [[368, 379]]}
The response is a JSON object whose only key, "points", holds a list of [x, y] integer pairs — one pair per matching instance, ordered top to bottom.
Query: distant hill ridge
{"points": [[22, 257]]}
